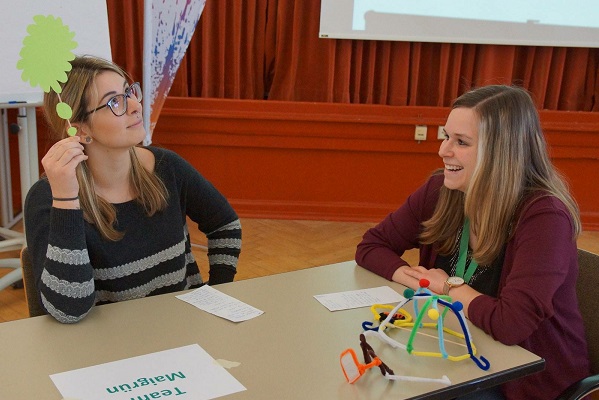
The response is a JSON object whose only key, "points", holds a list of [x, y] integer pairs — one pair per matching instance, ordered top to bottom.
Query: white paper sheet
{"points": [[359, 298], [222, 305], [185, 373]]}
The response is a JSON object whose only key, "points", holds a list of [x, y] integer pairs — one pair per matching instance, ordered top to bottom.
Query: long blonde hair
{"points": [[512, 164], [148, 188]]}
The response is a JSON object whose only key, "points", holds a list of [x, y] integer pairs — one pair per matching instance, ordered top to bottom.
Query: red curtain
{"points": [[270, 49]]}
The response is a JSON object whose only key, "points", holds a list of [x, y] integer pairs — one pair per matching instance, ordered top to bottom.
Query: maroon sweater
{"points": [[536, 305]]}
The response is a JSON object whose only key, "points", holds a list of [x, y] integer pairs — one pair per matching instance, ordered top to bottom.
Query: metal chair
{"points": [[13, 241], [588, 301]]}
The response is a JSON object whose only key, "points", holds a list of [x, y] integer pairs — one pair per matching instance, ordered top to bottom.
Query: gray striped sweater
{"points": [[75, 268]]}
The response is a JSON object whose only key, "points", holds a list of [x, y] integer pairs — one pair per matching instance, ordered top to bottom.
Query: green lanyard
{"points": [[461, 265]]}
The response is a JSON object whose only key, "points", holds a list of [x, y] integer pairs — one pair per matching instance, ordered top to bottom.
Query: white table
{"points": [[290, 352]]}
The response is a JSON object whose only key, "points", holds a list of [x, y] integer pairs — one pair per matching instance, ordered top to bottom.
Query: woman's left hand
{"points": [[435, 276]]}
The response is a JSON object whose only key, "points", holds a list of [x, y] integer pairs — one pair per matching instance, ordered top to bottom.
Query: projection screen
{"points": [[573, 23]]}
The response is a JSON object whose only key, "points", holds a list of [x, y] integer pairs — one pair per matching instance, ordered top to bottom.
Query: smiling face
{"points": [[102, 125], [459, 150]]}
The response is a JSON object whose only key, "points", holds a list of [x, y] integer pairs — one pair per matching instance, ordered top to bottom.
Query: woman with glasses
{"points": [[108, 221], [496, 230]]}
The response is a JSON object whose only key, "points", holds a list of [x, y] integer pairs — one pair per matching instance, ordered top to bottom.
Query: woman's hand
{"points": [[59, 164], [435, 276]]}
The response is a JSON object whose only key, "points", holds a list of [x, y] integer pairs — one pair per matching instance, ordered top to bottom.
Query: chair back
{"points": [[32, 295], [588, 302]]}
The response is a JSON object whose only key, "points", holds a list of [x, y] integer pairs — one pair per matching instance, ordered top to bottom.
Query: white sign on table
{"points": [[185, 373]]}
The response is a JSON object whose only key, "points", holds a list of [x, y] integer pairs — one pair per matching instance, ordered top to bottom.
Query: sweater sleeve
{"points": [[215, 217], [224, 246], [382, 247], [61, 265], [539, 267]]}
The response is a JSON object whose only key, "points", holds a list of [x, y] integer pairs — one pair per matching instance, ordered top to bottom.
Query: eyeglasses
{"points": [[118, 103]]}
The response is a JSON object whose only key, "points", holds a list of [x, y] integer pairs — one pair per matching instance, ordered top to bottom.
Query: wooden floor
{"points": [[270, 247]]}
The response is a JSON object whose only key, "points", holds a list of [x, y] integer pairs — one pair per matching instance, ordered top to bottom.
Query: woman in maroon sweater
{"points": [[497, 231]]}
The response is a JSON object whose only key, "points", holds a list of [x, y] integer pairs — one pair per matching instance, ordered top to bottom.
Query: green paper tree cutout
{"points": [[45, 58]]}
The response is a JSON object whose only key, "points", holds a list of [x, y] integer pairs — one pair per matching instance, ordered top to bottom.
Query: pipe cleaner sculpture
{"points": [[45, 59], [431, 309], [398, 317]]}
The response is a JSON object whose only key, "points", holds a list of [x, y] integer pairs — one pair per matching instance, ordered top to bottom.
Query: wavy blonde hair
{"points": [[512, 164], [148, 188]]}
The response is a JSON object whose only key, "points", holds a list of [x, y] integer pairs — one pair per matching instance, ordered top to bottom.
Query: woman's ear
{"points": [[83, 133]]}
